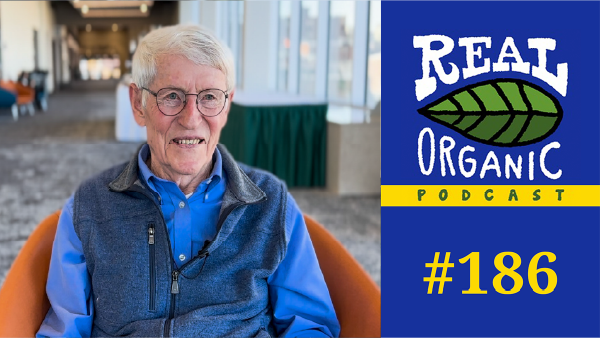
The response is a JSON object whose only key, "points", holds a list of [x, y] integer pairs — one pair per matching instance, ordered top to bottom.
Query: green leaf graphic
{"points": [[499, 112]]}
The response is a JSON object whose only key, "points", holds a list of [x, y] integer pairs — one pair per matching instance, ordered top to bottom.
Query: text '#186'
{"points": [[508, 272]]}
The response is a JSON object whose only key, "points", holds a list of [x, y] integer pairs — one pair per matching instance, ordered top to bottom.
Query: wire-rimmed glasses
{"points": [[172, 101]]}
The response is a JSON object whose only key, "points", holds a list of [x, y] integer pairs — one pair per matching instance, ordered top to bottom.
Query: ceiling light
{"points": [[144, 8], [84, 9], [88, 27], [115, 27]]}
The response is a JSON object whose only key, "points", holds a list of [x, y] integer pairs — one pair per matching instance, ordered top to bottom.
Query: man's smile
{"points": [[187, 142]]}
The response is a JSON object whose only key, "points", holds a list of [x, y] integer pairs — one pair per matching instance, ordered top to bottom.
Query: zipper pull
{"points": [[151, 234], [175, 284]]}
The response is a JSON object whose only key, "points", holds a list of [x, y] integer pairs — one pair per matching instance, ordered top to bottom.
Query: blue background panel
{"points": [[411, 236]]}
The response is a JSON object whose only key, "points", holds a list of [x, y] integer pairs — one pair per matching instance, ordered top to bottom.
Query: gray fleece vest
{"points": [[221, 292]]}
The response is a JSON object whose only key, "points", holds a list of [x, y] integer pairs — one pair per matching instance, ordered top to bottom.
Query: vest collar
{"points": [[239, 185]]}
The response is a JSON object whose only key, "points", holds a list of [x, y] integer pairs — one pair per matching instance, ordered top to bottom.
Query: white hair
{"points": [[193, 42]]}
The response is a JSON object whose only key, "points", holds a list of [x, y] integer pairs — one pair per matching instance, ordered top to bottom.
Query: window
{"points": [[239, 26], [229, 30], [341, 42], [283, 44], [308, 47], [328, 50], [374, 59]]}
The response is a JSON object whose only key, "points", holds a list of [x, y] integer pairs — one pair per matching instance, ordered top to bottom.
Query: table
{"points": [[283, 134]]}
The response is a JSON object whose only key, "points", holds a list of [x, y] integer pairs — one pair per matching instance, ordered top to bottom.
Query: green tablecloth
{"points": [[289, 141]]}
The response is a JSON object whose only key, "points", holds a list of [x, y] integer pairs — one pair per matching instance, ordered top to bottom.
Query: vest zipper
{"points": [[175, 273], [175, 283], [174, 291], [152, 305], [167, 327]]}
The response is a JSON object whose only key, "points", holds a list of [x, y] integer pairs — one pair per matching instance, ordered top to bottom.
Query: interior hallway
{"points": [[43, 158]]}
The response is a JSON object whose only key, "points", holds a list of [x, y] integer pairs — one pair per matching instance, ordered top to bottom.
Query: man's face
{"points": [[169, 159]]}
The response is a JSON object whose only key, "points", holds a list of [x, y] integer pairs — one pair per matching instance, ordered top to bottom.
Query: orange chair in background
{"points": [[25, 95], [23, 301]]}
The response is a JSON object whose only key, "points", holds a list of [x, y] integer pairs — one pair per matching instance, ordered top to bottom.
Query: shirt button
{"points": [[181, 204], [182, 257]]}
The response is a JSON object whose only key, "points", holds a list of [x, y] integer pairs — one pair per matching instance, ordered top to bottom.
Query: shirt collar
{"points": [[144, 152]]}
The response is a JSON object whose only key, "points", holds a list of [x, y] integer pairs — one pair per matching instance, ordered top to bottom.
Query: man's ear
{"points": [[231, 95], [135, 97], [230, 99]]}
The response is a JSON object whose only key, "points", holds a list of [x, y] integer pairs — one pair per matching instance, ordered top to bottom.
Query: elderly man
{"points": [[182, 240]]}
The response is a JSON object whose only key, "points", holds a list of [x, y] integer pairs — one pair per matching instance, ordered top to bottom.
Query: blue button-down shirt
{"points": [[202, 208], [297, 291]]}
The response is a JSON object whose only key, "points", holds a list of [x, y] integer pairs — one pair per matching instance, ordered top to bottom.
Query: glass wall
{"points": [[240, 28], [230, 31], [341, 41], [283, 45], [308, 46], [333, 49], [374, 60]]}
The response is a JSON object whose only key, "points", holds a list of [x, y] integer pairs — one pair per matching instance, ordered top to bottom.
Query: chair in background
{"points": [[37, 81], [25, 95], [8, 100], [24, 304]]}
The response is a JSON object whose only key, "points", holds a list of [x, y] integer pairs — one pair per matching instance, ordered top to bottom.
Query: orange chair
{"points": [[25, 95], [355, 296], [23, 301]]}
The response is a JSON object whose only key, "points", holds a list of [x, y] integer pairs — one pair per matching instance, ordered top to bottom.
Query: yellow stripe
{"points": [[571, 195]]}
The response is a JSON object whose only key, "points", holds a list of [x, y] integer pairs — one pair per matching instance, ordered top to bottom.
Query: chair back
{"points": [[9, 86], [355, 296], [23, 301]]}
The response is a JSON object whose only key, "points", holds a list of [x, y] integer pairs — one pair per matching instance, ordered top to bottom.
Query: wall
{"points": [[18, 20], [45, 36]]}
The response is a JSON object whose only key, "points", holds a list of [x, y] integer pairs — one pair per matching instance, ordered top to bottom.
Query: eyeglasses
{"points": [[171, 101]]}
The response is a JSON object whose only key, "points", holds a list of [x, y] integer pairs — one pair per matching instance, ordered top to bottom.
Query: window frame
{"points": [[359, 85]]}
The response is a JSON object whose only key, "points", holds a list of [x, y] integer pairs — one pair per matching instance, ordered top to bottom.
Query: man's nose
{"points": [[190, 117]]}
